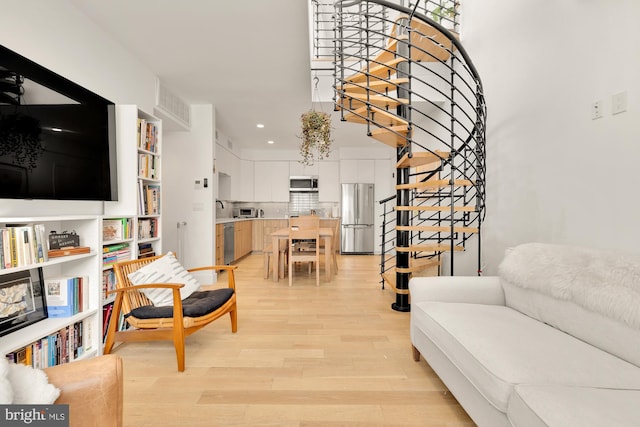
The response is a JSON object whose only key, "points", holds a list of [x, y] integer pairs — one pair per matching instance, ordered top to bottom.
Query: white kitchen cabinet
{"points": [[298, 169], [354, 171], [245, 176], [271, 181], [328, 181]]}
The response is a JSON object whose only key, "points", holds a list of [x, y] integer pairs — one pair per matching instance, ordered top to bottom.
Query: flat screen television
{"points": [[57, 139]]}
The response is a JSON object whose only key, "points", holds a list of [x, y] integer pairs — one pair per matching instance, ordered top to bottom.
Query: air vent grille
{"points": [[172, 107]]}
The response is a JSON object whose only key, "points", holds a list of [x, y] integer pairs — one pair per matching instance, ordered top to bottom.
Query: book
{"points": [[112, 229], [68, 251], [59, 294]]}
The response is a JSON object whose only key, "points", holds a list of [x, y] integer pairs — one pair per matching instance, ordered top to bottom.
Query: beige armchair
{"points": [[93, 390]]}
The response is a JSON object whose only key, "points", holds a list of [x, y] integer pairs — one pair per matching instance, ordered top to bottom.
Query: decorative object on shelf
{"points": [[316, 134], [63, 240], [54, 253], [22, 300]]}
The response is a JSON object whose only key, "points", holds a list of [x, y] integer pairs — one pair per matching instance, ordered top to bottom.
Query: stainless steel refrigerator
{"points": [[357, 210]]}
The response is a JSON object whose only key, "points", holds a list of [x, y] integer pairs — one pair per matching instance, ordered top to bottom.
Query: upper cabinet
{"points": [[298, 169], [355, 171], [271, 181], [328, 181]]}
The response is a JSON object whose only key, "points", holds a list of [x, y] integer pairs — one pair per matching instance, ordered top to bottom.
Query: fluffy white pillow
{"points": [[165, 269], [25, 385], [6, 392]]}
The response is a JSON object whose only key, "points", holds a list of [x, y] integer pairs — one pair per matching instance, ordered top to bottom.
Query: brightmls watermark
{"points": [[34, 415]]}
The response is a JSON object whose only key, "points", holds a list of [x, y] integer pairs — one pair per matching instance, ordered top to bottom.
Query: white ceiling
{"points": [[250, 59]]}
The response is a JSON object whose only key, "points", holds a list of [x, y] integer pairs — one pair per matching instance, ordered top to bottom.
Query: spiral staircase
{"points": [[409, 81]]}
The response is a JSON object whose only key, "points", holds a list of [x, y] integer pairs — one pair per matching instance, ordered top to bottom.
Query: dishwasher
{"points": [[228, 243]]}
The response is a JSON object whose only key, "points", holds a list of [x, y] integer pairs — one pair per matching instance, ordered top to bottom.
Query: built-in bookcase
{"points": [[139, 205], [62, 339]]}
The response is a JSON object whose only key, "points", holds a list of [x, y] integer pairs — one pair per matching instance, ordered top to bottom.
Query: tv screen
{"points": [[57, 139]]}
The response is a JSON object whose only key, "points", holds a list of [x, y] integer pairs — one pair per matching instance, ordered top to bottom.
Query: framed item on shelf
{"points": [[22, 300]]}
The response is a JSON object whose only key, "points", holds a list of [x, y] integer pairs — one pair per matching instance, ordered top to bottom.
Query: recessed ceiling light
{"points": [[259, 125], [270, 142]]}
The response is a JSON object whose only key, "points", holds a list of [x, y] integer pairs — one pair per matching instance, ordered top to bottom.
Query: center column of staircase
{"points": [[403, 196]]}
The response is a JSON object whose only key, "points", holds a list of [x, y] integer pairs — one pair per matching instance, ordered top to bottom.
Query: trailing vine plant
{"points": [[316, 136]]}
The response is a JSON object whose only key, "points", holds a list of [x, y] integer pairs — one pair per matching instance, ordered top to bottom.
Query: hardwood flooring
{"points": [[303, 356]]}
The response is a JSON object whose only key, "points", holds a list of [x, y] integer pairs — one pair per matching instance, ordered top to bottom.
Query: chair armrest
{"points": [[231, 280], [467, 289], [93, 389]]}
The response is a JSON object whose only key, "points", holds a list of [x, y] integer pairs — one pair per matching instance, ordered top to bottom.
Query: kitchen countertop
{"points": [[228, 220]]}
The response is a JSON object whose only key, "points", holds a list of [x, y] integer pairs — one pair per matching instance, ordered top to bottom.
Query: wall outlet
{"points": [[619, 103], [596, 110]]}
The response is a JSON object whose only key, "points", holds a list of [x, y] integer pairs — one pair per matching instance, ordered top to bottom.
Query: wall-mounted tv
{"points": [[57, 139]]}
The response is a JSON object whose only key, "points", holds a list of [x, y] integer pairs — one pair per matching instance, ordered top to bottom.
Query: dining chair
{"points": [[304, 236]]}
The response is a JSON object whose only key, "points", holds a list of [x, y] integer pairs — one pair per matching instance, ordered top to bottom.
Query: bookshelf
{"points": [[139, 143], [65, 338]]}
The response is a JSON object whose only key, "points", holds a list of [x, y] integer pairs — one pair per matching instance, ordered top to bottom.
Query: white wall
{"points": [[59, 37], [187, 157], [554, 174]]}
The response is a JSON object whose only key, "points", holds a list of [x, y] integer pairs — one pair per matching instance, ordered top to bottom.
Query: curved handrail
{"points": [[412, 14]]}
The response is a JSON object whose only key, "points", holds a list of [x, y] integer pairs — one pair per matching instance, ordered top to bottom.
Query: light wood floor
{"points": [[303, 356]]}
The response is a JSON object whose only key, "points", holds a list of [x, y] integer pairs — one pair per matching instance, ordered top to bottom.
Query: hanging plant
{"points": [[316, 136], [20, 137]]}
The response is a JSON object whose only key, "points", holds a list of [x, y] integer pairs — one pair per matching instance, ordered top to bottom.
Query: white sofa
{"points": [[553, 340]]}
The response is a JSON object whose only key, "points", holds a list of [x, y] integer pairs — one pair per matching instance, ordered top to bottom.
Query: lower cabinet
{"points": [[242, 238], [219, 244]]}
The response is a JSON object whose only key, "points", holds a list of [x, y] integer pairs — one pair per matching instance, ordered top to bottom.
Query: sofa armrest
{"points": [[466, 289], [92, 388]]}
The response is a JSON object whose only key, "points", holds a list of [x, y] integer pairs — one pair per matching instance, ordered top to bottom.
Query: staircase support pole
{"points": [[402, 240]]}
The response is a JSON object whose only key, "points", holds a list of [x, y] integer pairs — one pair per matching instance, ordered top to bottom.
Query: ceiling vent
{"points": [[174, 112]]}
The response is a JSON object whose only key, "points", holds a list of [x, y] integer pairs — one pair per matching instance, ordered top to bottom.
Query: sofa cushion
{"points": [[195, 305], [601, 331], [497, 347], [562, 406]]}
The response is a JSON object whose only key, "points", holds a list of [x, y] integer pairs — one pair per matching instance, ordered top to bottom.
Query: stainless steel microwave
{"points": [[303, 184], [245, 212]]}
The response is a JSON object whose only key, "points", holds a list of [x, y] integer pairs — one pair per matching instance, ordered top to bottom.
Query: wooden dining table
{"points": [[326, 233]]}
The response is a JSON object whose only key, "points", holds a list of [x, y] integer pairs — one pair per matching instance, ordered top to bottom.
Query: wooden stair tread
{"points": [[428, 42], [381, 71], [378, 86], [353, 101], [376, 115], [394, 136], [421, 158], [439, 183], [436, 208], [436, 228], [428, 248], [418, 265], [390, 279]]}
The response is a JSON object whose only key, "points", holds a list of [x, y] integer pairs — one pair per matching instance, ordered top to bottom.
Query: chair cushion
{"points": [[165, 269], [197, 304]]}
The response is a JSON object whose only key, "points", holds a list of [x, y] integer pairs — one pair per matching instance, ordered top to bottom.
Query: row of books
{"points": [[147, 135], [148, 166], [149, 199], [147, 228], [117, 229], [22, 245], [145, 250], [115, 253], [108, 282], [66, 296], [107, 318], [63, 346]]}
